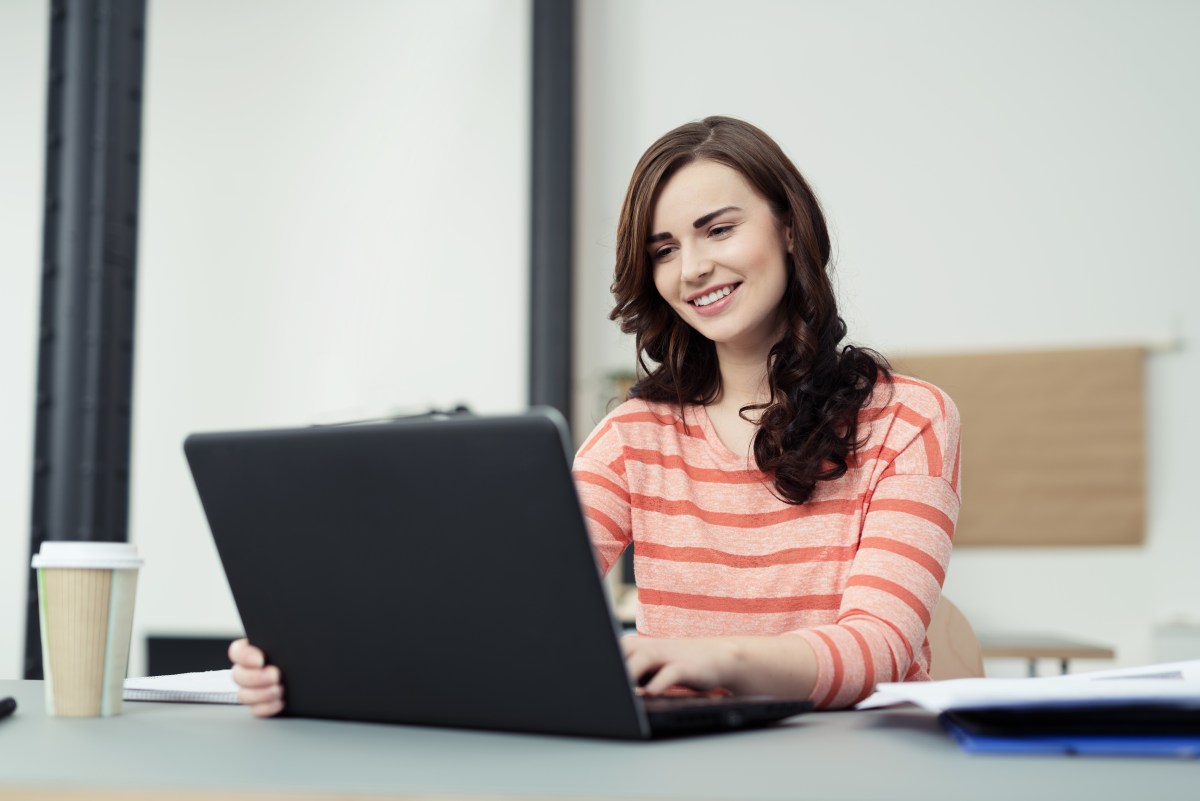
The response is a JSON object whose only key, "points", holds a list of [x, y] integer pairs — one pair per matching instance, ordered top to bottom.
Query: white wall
{"points": [[23, 53], [996, 175], [334, 225]]}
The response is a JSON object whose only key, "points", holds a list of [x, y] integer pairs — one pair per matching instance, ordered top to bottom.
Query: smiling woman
{"points": [[790, 501]]}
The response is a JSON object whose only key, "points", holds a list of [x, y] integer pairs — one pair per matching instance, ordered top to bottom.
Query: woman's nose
{"points": [[695, 266]]}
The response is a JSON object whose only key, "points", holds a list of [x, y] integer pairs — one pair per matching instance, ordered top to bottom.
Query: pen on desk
{"points": [[7, 707]]}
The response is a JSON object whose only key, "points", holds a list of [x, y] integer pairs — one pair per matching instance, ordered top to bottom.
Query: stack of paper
{"points": [[208, 687], [1153, 710]]}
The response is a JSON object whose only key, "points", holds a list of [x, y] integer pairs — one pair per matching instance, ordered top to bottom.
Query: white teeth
{"points": [[713, 297]]}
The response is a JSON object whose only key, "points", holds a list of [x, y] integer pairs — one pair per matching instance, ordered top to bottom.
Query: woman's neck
{"points": [[743, 367], [743, 379]]}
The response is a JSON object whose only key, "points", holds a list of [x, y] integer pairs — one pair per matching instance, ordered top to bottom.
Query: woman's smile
{"points": [[714, 301]]}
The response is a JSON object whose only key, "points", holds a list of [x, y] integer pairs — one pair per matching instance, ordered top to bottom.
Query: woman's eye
{"points": [[720, 230], [663, 252]]}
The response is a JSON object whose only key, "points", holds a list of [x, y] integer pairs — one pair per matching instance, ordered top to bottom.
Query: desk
{"points": [[1040, 646], [196, 752]]}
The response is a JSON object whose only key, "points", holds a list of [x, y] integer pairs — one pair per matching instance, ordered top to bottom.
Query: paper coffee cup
{"points": [[85, 603]]}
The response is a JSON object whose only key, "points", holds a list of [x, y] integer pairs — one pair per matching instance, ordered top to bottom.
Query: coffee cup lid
{"points": [[100, 555]]}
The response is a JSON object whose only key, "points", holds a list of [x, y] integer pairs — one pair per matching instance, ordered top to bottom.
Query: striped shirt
{"points": [[855, 570]]}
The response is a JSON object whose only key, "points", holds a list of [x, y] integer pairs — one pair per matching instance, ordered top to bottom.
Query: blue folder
{"points": [[1134, 745]]}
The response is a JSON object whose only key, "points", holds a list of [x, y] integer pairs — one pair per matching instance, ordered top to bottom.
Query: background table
{"points": [[1033, 647], [178, 751]]}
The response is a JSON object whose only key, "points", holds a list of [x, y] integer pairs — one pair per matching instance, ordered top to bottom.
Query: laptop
{"points": [[436, 572]]}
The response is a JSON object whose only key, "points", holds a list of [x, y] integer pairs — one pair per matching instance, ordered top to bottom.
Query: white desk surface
{"points": [[179, 751]]}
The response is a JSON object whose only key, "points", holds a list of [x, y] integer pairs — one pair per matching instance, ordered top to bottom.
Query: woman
{"points": [[790, 501]]}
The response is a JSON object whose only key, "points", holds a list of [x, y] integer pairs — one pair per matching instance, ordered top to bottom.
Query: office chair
{"points": [[954, 648]]}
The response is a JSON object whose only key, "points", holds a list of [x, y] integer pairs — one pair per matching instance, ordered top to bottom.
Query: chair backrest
{"points": [[954, 648]]}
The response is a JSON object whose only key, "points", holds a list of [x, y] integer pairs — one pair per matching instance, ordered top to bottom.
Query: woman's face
{"points": [[719, 257]]}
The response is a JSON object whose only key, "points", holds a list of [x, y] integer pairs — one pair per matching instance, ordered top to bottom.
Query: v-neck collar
{"points": [[720, 451]]}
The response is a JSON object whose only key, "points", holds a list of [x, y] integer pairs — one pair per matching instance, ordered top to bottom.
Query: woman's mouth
{"points": [[715, 301]]}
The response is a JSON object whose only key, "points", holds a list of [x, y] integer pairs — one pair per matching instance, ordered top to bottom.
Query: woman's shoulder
{"points": [[903, 395], [638, 412], [635, 421], [918, 422]]}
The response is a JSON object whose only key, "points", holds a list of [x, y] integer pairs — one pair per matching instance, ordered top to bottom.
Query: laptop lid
{"points": [[432, 571]]}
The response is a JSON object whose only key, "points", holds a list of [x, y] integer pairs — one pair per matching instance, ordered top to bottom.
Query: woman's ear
{"points": [[785, 231]]}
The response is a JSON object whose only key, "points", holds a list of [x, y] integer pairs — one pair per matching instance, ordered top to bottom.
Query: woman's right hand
{"points": [[260, 686]]}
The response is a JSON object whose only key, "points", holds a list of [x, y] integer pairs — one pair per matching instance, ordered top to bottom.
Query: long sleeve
{"points": [[605, 501], [895, 579]]}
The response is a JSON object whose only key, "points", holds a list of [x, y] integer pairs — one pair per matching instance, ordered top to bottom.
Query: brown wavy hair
{"points": [[808, 432]]}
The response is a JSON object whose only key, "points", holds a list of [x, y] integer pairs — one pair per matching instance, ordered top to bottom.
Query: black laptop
{"points": [[433, 571]]}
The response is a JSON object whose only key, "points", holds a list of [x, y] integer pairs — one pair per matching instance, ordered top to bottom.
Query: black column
{"points": [[552, 203], [85, 350]]}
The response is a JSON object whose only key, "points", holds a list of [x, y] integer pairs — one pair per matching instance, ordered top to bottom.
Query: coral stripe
{"points": [[914, 382], [879, 413], [639, 417], [933, 449], [860, 458], [954, 470], [706, 474], [602, 482], [651, 503], [916, 509], [608, 523], [915, 554], [788, 556], [891, 587], [717, 603], [853, 615], [858, 617], [868, 661], [839, 670]]}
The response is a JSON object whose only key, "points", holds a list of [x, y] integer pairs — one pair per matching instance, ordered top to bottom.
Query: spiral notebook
{"points": [[207, 687]]}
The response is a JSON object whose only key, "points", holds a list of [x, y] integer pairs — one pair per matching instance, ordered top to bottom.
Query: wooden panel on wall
{"points": [[1053, 444]]}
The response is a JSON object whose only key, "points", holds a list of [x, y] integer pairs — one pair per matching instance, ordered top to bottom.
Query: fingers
{"points": [[241, 652], [640, 661], [659, 665], [651, 667], [657, 673], [667, 677], [256, 678], [260, 686], [261, 689], [263, 702]]}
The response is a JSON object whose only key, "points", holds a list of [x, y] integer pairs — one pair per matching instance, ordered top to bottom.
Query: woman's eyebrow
{"points": [[712, 215], [700, 223]]}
